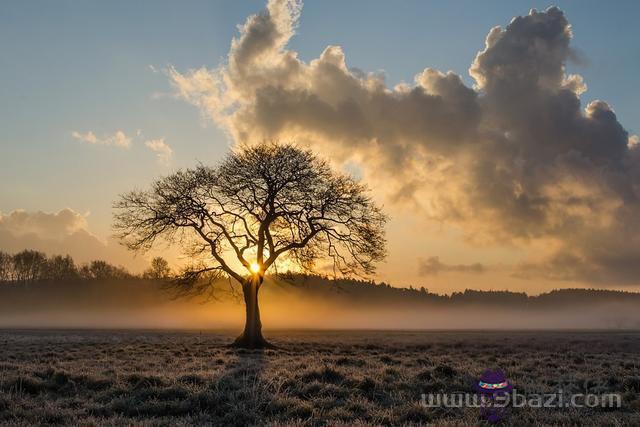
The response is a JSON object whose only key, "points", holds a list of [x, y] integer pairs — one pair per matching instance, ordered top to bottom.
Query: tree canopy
{"points": [[259, 203], [262, 204]]}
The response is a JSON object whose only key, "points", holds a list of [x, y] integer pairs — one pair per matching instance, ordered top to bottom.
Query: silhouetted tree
{"points": [[260, 204], [29, 266], [6, 267], [60, 268], [159, 269], [101, 270]]}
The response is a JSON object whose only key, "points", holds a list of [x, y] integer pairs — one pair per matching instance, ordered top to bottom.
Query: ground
{"points": [[313, 378]]}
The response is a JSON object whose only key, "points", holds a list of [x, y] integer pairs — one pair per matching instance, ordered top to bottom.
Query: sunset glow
{"points": [[504, 148], [295, 212], [255, 267]]}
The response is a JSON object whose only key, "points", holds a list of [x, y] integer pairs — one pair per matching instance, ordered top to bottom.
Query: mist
{"points": [[315, 303]]}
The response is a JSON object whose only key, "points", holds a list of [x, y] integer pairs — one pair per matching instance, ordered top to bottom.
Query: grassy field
{"points": [[314, 378]]}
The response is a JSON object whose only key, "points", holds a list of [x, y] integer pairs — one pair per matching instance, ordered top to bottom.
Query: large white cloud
{"points": [[516, 158]]}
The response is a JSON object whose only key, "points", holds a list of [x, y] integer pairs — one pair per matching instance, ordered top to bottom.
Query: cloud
{"points": [[89, 137], [119, 139], [162, 150], [515, 159], [46, 225], [63, 232], [432, 266]]}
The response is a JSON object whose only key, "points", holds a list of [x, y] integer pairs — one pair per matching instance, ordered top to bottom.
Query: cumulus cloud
{"points": [[119, 138], [162, 150], [516, 158], [62, 232], [432, 266]]}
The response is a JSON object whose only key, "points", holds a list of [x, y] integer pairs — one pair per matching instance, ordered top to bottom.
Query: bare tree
{"points": [[259, 205], [29, 266], [6, 267], [60, 268], [159, 269], [102, 270]]}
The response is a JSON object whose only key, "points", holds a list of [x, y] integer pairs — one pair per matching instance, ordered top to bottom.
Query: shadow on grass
{"points": [[241, 390]]}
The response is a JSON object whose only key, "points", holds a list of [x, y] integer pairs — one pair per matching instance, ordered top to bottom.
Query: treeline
{"points": [[31, 266], [369, 290]]}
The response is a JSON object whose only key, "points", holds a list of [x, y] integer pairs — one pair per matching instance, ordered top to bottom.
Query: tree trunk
{"points": [[252, 335]]}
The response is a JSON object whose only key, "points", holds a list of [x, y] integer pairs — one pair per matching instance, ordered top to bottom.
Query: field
{"points": [[314, 378]]}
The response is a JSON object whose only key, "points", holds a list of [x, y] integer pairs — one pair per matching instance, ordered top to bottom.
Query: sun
{"points": [[254, 267]]}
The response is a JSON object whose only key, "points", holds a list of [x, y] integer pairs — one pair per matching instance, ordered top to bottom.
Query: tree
{"points": [[260, 205], [29, 266], [6, 267], [60, 268], [159, 269], [102, 270]]}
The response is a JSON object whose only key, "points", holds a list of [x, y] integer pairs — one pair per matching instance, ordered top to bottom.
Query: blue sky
{"points": [[70, 65], [89, 66]]}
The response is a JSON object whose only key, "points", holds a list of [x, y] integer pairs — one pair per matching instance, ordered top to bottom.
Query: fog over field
{"points": [[308, 302]]}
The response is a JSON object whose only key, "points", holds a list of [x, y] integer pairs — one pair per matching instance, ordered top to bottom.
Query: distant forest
{"points": [[31, 266], [54, 291]]}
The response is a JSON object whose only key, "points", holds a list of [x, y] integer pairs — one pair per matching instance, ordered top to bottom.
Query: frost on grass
{"points": [[314, 378]]}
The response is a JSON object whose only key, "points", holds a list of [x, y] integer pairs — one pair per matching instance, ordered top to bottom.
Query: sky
{"points": [[98, 98]]}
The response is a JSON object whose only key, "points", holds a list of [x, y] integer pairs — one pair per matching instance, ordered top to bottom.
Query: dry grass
{"points": [[315, 378]]}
